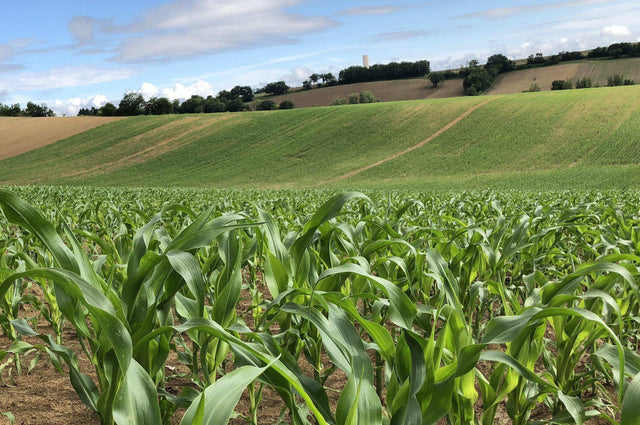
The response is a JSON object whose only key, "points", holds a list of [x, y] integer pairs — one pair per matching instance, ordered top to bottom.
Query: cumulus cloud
{"points": [[184, 28], [616, 31], [68, 76], [148, 90], [180, 91], [70, 107]]}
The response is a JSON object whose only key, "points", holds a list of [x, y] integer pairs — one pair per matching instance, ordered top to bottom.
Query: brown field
{"points": [[597, 70], [412, 89], [19, 135]]}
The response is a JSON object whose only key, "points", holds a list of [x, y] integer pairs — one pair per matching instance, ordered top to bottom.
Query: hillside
{"points": [[596, 70], [509, 83], [386, 91], [18, 135], [571, 139]]}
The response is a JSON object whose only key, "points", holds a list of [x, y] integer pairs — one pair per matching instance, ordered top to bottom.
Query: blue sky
{"points": [[70, 54]]}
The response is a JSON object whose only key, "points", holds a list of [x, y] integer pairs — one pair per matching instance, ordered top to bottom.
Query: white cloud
{"points": [[185, 28], [616, 31], [68, 76], [148, 90], [179, 91], [70, 107]]}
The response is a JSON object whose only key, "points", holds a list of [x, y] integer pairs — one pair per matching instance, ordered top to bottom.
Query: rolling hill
{"points": [[509, 83], [571, 139]]}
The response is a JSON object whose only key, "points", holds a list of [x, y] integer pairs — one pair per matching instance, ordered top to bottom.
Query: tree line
{"points": [[32, 110]]}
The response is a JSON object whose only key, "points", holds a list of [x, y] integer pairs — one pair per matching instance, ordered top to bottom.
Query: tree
{"points": [[500, 63], [314, 78], [436, 78], [328, 79], [478, 80], [306, 85], [561, 85], [279, 87], [243, 92], [366, 96], [354, 99], [339, 101], [132, 104], [286, 104], [193, 105], [213, 105], [235, 105], [266, 105], [159, 106], [33, 110], [108, 110], [88, 112]]}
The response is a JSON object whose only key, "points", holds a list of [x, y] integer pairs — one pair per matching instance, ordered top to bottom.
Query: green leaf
{"points": [[136, 402]]}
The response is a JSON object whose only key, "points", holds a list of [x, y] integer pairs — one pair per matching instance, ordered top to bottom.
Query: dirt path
{"points": [[19, 135], [412, 148]]}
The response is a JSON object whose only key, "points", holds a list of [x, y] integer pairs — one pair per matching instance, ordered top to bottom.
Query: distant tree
{"points": [[598, 52], [538, 59], [500, 63], [314, 78], [436, 78], [328, 79], [478, 80], [615, 80], [628, 82], [584, 83], [306, 85], [561, 85], [534, 87], [277, 88], [243, 92], [226, 96], [366, 96], [354, 99], [339, 101], [131, 104], [286, 104], [193, 105], [213, 105], [235, 105], [266, 105], [159, 106], [34, 110], [108, 110], [10, 111], [88, 112]]}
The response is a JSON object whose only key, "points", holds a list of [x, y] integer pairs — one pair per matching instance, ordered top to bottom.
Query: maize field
{"points": [[431, 308]]}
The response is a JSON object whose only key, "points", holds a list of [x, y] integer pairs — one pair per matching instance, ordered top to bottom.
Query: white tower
{"points": [[365, 61]]}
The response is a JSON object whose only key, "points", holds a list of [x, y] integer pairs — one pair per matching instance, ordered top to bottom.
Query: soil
{"points": [[19, 135]]}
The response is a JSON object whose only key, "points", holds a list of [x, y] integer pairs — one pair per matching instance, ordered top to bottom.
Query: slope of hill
{"points": [[597, 70], [509, 83], [386, 91], [18, 135], [571, 139]]}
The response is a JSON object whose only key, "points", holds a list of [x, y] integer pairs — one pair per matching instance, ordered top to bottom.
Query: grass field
{"points": [[571, 139]]}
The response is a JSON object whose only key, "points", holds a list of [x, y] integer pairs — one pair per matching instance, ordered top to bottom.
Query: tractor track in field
{"points": [[412, 148], [150, 152]]}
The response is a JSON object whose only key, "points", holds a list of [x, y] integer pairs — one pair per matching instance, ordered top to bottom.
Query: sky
{"points": [[72, 54]]}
